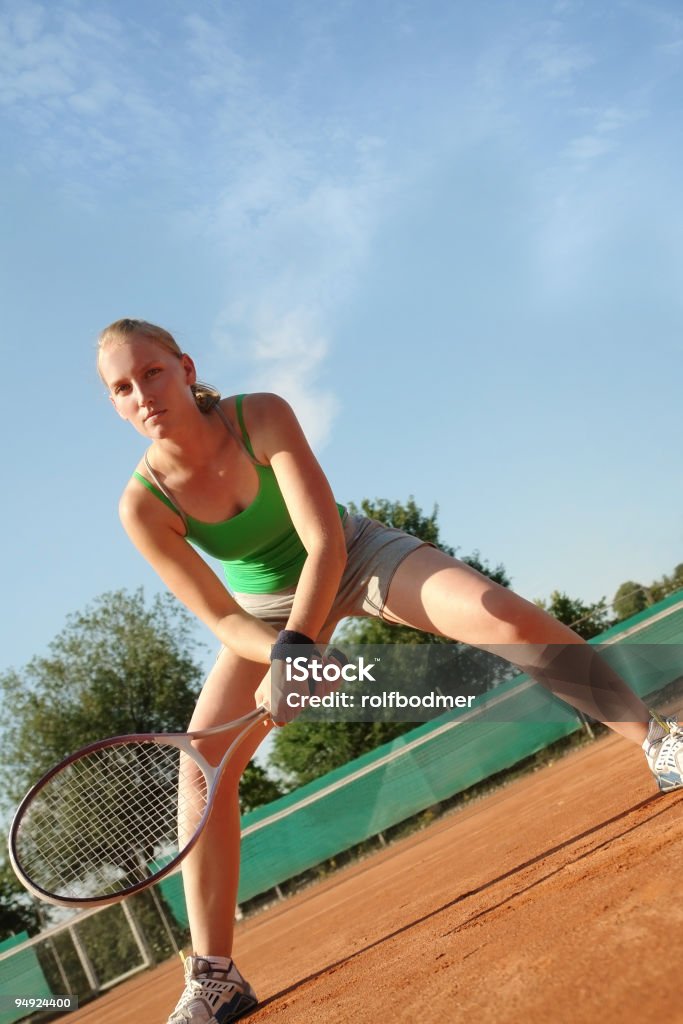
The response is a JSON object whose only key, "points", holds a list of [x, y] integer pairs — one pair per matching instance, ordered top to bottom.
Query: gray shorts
{"points": [[374, 553]]}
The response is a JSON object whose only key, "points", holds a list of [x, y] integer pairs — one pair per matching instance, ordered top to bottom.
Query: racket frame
{"points": [[182, 741]]}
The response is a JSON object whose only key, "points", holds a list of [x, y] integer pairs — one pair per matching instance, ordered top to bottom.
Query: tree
{"points": [[408, 517], [411, 518], [666, 585], [630, 599], [588, 620], [118, 667], [305, 750], [257, 787], [17, 912]]}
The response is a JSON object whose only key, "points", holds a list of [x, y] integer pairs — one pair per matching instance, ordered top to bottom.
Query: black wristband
{"points": [[291, 636], [288, 638]]}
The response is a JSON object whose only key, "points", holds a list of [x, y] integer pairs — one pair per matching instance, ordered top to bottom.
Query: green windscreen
{"points": [[438, 759]]}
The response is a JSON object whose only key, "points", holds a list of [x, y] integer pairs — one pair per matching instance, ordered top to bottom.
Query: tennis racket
{"points": [[118, 815]]}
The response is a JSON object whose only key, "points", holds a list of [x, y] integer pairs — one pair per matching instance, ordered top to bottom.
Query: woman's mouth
{"points": [[152, 417]]}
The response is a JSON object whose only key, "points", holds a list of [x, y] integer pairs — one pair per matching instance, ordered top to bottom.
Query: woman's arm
{"points": [[277, 438], [154, 533]]}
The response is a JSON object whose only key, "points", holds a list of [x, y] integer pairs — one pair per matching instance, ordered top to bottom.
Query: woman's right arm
{"points": [[153, 532]]}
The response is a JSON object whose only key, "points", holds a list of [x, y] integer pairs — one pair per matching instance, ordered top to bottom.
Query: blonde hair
{"points": [[205, 395]]}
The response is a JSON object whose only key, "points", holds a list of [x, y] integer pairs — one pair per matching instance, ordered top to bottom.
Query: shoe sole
{"points": [[668, 782], [234, 1010]]}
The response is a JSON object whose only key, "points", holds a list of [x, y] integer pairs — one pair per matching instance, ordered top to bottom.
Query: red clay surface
{"points": [[556, 899]]}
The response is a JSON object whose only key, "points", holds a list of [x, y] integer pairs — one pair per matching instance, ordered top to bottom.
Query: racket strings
{"points": [[106, 821]]}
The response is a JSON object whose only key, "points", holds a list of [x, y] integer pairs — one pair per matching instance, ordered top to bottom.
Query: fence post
{"points": [[162, 914], [138, 935], [86, 962]]}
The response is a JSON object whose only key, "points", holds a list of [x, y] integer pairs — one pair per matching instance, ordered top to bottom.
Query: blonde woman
{"points": [[236, 477]]}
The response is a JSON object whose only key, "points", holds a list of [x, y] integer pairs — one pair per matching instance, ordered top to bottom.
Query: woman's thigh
{"points": [[435, 593]]}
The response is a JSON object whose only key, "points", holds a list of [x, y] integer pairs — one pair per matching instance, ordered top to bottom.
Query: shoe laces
{"points": [[669, 746], [206, 983]]}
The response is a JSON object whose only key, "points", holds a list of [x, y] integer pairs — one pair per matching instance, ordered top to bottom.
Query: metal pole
{"points": [[585, 723], [162, 914], [138, 934], [50, 944], [86, 962], [60, 967]]}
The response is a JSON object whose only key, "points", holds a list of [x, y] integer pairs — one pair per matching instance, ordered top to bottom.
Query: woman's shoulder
{"points": [[256, 403], [260, 416], [133, 495], [141, 500]]}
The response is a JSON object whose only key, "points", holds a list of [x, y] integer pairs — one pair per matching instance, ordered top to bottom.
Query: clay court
{"points": [[555, 899]]}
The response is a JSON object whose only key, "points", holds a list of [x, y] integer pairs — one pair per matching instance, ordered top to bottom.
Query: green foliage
{"points": [[408, 517], [632, 597], [629, 599], [588, 620], [118, 667], [303, 751], [257, 787], [17, 912], [110, 944]]}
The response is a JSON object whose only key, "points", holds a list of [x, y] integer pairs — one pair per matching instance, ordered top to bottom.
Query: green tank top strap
{"points": [[240, 419], [162, 492]]}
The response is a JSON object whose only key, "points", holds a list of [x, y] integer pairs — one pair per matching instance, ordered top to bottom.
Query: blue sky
{"points": [[450, 233]]}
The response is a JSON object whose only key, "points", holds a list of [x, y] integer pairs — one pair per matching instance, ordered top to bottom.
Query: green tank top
{"points": [[260, 550]]}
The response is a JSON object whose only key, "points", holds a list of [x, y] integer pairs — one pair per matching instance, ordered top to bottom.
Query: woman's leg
{"points": [[439, 594], [211, 869]]}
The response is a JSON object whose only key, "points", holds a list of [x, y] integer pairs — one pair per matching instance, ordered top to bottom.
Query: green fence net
{"points": [[437, 760], [20, 976]]}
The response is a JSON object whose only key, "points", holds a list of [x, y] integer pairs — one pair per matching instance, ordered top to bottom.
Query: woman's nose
{"points": [[141, 392]]}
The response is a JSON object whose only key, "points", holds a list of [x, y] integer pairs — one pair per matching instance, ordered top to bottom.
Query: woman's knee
{"points": [[228, 691]]}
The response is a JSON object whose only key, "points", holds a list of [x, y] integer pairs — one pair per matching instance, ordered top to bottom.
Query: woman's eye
{"points": [[153, 370]]}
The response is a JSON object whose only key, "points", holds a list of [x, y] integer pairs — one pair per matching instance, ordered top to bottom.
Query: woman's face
{"points": [[148, 385]]}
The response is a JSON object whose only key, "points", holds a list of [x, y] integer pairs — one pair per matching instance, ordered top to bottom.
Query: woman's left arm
{"points": [[278, 438]]}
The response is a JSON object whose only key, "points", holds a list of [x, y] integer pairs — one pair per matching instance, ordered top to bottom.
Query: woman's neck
{"points": [[194, 445]]}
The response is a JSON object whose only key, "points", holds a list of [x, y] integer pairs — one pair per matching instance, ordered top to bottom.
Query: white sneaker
{"points": [[664, 752], [215, 992]]}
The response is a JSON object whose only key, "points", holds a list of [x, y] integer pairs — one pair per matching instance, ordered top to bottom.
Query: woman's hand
{"points": [[300, 670]]}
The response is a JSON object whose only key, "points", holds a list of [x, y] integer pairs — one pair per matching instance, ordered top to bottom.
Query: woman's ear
{"points": [[189, 368]]}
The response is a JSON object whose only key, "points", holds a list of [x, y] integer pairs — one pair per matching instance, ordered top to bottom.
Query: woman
{"points": [[237, 478]]}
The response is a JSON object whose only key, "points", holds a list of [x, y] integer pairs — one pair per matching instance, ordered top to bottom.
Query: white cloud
{"points": [[43, 58], [557, 63], [218, 67], [76, 83], [603, 138], [587, 148], [289, 204], [293, 208], [297, 251], [286, 354]]}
